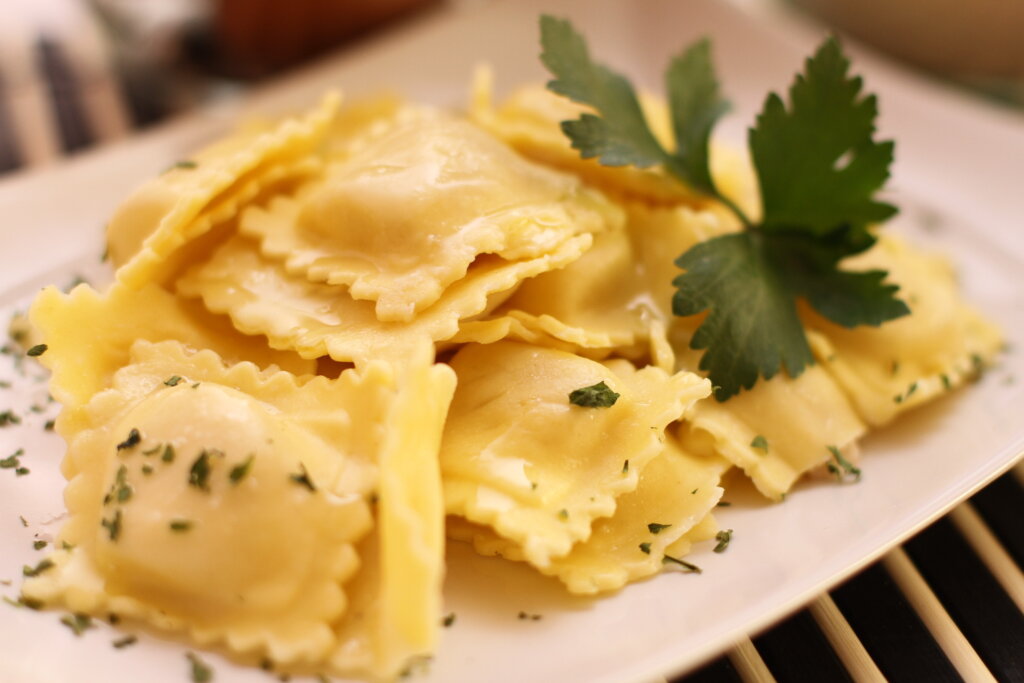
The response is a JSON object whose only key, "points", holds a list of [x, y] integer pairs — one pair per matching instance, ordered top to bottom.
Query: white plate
{"points": [[958, 173]]}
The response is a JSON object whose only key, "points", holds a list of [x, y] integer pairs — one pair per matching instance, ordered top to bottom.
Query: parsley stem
{"points": [[747, 223]]}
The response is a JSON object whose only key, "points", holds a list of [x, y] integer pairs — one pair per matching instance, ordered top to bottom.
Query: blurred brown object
{"points": [[257, 37], [967, 40]]}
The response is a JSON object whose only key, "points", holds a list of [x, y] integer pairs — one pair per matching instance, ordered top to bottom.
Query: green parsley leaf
{"points": [[696, 104], [620, 135], [817, 164], [184, 165], [819, 169], [37, 350], [173, 381], [598, 395], [8, 417], [134, 437], [760, 443], [168, 454], [12, 461], [625, 466], [841, 467], [239, 471], [199, 473], [302, 478], [180, 525], [113, 526], [656, 528], [724, 537], [38, 545], [645, 548], [43, 565], [689, 567], [448, 620], [78, 623], [125, 642], [201, 673]]}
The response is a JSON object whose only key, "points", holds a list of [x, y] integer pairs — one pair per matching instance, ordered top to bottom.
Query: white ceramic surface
{"points": [[958, 178]]}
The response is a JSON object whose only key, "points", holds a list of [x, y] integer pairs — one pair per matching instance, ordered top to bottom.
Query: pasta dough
{"points": [[405, 216], [517, 456], [213, 504]]}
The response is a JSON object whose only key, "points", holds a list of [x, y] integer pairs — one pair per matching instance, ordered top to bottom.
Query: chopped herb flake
{"points": [[37, 350], [173, 380], [598, 395], [8, 417], [48, 425], [134, 437], [760, 443], [168, 455], [11, 461], [625, 466], [841, 466], [147, 470], [21, 471], [239, 471], [199, 474], [302, 478], [722, 504], [563, 514], [180, 525], [113, 526], [656, 528], [723, 537], [38, 545], [645, 548], [43, 565], [689, 567], [22, 601], [529, 617], [448, 620], [78, 623], [125, 642], [201, 673]]}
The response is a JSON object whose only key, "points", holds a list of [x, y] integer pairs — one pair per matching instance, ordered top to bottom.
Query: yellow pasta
{"points": [[404, 217], [157, 218], [315, 319], [329, 334], [906, 362], [518, 457], [674, 495], [212, 503]]}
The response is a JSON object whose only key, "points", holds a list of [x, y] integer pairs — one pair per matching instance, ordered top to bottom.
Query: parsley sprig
{"points": [[818, 167]]}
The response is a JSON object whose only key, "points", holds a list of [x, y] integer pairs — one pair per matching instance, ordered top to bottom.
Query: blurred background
{"points": [[75, 73]]}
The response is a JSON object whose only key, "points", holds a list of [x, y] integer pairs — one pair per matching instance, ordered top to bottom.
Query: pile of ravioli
{"points": [[336, 339]]}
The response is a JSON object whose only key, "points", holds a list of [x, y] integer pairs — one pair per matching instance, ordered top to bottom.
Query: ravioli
{"points": [[405, 216], [158, 217], [316, 319], [89, 335], [908, 361], [777, 431], [518, 457], [676, 492], [215, 504], [397, 614]]}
